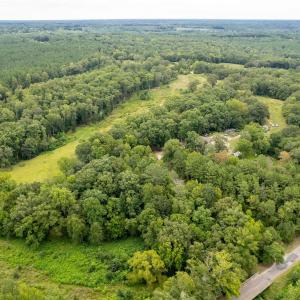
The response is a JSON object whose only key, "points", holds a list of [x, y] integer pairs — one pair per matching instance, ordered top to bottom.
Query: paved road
{"points": [[260, 281]]}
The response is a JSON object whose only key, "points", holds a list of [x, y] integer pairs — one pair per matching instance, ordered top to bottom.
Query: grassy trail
{"points": [[275, 109], [276, 117], [45, 165]]}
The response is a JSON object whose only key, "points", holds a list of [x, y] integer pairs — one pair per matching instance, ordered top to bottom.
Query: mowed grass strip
{"points": [[275, 109], [45, 165], [278, 289]]}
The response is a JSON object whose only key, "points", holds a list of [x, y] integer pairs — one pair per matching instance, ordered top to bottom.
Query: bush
{"points": [[124, 295]]}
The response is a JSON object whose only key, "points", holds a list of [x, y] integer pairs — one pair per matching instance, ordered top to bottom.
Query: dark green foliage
{"points": [[274, 88], [34, 123], [287, 140], [111, 197], [206, 220], [124, 295]]}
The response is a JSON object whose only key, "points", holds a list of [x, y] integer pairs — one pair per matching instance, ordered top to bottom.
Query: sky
{"points": [[148, 9]]}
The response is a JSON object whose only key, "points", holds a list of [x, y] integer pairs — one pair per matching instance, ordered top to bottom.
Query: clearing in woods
{"points": [[276, 121], [45, 165]]}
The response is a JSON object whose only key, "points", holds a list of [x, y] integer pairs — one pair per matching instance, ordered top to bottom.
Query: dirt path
{"points": [[260, 281]]}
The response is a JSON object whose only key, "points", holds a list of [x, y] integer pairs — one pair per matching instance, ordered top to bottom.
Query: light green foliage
{"points": [[192, 87], [253, 141], [195, 142], [219, 143], [245, 147], [175, 156], [196, 165], [207, 219], [76, 228], [96, 235], [173, 242], [273, 253], [66, 263], [146, 266], [226, 273], [180, 286], [12, 291]]}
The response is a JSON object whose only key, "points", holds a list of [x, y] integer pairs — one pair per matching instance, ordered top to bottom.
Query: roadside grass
{"points": [[45, 165], [293, 245], [65, 269], [278, 287]]}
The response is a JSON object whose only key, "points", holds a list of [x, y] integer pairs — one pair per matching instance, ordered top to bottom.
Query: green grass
{"points": [[275, 109], [276, 117], [45, 165], [69, 268], [41, 282]]}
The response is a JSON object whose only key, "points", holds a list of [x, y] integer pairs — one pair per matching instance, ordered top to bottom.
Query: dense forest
{"points": [[206, 183]]}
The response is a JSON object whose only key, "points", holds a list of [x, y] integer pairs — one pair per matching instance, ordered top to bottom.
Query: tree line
{"points": [[33, 120], [206, 233]]}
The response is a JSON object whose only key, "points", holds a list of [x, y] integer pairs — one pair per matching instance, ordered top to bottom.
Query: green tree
{"points": [[255, 134], [195, 142], [219, 143], [245, 147], [76, 228], [96, 234], [173, 242], [273, 253], [146, 267], [226, 273], [180, 286]]}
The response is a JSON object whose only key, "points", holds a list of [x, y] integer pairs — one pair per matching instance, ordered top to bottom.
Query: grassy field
{"points": [[275, 109], [276, 117], [45, 165], [67, 270]]}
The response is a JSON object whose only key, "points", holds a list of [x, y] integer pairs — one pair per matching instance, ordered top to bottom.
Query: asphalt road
{"points": [[260, 281]]}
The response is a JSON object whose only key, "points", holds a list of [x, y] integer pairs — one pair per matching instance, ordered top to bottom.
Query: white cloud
{"points": [[139, 9]]}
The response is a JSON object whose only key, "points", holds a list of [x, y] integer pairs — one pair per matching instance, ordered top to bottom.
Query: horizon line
{"points": [[149, 19]]}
